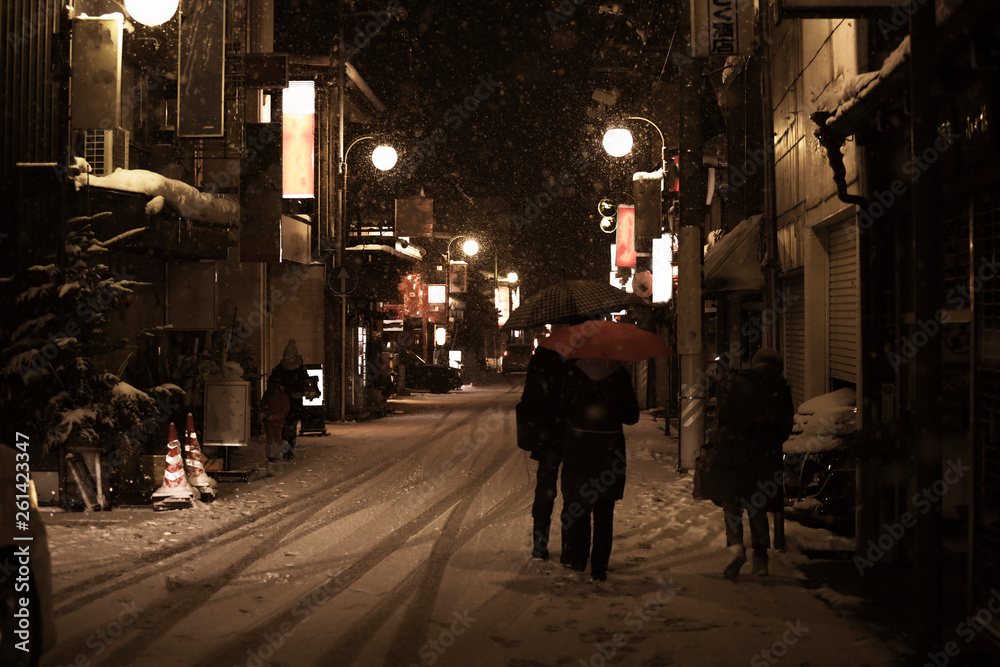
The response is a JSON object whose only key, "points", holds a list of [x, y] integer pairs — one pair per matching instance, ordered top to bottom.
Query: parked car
{"points": [[516, 358], [433, 377]]}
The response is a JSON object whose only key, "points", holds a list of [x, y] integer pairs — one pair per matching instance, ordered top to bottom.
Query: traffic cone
{"points": [[194, 464], [175, 492]]}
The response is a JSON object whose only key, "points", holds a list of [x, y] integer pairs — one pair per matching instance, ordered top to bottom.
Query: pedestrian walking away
{"points": [[294, 380], [596, 398], [274, 407], [755, 416], [539, 431]]}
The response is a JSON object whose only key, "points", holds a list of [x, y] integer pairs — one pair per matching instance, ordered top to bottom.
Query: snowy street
{"points": [[404, 541]]}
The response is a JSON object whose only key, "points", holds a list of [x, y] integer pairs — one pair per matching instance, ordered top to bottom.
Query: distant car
{"points": [[516, 358], [422, 375]]}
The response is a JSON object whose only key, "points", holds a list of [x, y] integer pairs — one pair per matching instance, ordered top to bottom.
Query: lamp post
{"points": [[618, 142], [384, 158], [470, 248]]}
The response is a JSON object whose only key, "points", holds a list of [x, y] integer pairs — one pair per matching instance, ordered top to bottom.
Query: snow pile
{"points": [[861, 86], [648, 175], [185, 199], [821, 421]]}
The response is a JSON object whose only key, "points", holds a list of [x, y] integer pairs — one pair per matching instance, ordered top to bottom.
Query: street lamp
{"points": [[151, 12], [618, 141], [384, 158], [470, 247], [689, 308]]}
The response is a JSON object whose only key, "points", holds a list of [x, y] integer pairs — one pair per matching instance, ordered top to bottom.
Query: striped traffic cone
{"points": [[194, 464], [175, 492]]}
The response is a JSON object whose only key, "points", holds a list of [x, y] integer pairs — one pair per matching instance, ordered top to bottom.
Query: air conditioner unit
{"points": [[104, 150]]}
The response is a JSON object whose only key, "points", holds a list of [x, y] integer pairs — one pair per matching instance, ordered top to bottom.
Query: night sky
{"points": [[492, 104]]}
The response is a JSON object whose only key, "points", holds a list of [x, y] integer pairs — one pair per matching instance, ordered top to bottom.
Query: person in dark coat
{"points": [[291, 376], [596, 398], [274, 406], [755, 415], [539, 432]]}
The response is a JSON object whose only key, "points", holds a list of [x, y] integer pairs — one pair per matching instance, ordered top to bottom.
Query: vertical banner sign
{"points": [[721, 28], [201, 67], [97, 74], [298, 131], [648, 194], [260, 199], [625, 242], [663, 269], [459, 278], [502, 303]]}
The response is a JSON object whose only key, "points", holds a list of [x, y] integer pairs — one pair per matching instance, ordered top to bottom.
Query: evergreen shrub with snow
{"points": [[55, 325]]}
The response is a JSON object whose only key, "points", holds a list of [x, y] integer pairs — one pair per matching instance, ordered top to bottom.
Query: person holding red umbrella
{"points": [[596, 398]]}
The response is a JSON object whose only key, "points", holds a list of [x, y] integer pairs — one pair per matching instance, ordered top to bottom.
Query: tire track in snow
{"points": [[459, 500], [104, 583]]}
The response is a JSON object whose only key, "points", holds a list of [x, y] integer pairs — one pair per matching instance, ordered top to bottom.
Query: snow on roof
{"points": [[861, 86], [188, 201], [409, 251], [820, 421]]}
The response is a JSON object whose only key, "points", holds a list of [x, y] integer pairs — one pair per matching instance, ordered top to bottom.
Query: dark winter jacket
{"points": [[294, 382], [274, 404], [592, 409], [755, 415], [538, 428]]}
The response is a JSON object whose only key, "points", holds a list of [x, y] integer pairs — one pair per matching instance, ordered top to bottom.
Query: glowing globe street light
{"points": [[151, 12], [618, 142], [384, 157]]}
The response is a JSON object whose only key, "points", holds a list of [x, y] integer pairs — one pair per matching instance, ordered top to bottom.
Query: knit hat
{"points": [[769, 356], [290, 359]]}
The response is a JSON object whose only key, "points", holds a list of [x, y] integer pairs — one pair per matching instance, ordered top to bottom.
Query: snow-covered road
{"points": [[403, 541]]}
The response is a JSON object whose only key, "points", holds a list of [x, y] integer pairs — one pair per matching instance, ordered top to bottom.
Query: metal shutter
{"points": [[843, 301], [794, 336]]}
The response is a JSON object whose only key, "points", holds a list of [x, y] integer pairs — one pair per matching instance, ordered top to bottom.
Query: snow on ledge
{"points": [[188, 201], [820, 421]]}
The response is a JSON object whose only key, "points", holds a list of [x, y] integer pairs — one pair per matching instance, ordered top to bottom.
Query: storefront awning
{"points": [[381, 264], [732, 264]]}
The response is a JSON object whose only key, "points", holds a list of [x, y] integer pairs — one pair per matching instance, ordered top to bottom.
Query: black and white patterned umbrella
{"points": [[571, 301]]}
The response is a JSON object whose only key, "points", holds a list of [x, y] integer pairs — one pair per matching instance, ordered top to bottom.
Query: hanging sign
{"points": [[721, 28], [625, 241]]}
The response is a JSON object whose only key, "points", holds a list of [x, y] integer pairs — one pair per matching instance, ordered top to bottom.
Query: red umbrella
{"points": [[601, 339]]}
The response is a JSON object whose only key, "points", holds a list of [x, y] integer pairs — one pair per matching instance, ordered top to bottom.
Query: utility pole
{"points": [[690, 344]]}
